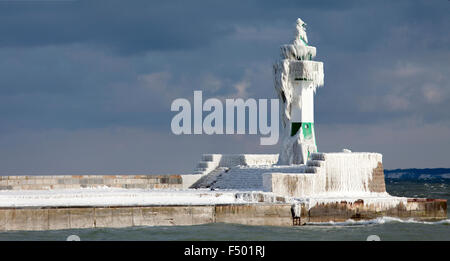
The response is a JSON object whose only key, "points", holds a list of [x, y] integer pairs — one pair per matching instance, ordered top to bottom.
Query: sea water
{"points": [[386, 228]]}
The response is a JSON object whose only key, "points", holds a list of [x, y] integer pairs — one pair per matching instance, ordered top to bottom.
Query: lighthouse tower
{"points": [[296, 80]]}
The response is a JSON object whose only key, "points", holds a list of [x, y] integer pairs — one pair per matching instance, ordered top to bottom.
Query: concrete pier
{"points": [[264, 194], [97, 217]]}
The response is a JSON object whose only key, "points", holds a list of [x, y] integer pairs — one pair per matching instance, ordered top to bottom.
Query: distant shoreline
{"points": [[418, 174]]}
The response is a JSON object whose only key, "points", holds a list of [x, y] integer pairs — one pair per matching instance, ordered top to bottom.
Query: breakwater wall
{"points": [[93, 181], [340, 211], [261, 214], [97, 217]]}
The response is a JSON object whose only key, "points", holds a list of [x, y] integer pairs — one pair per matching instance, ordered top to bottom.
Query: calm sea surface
{"points": [[386, 228]]}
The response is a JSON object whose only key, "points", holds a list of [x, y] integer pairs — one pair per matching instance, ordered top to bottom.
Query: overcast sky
{"points": [[86, 86]]}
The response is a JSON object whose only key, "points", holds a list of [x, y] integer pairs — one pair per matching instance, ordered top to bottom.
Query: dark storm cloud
{"points": [[136, 26], [129, 27]]}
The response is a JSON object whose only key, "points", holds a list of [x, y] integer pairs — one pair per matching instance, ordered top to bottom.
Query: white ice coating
{"points": [[300, 33], [297, 52], [310, 70], [296, 79], [294, 150], [210, 162], [350, 172], [345, 174], [341, 177], [326, 178], [332, 178], [125, 197], [381, 201]]}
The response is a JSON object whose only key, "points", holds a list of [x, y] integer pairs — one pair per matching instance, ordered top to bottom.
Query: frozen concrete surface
{"points": [[128, 197]]}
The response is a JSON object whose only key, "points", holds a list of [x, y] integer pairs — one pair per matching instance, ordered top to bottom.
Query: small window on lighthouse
{"points": [[283, 97]]}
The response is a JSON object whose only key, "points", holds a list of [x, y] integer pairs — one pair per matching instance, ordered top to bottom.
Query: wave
{"points": [[380, 220]]}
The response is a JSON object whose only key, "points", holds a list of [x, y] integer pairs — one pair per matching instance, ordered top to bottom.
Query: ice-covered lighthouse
{"points": [[296, 78]]}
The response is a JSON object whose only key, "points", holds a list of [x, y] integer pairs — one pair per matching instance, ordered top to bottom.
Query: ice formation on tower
{"points": [[296, 80]]}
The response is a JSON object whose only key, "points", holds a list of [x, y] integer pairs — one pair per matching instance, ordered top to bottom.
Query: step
{"points": [[318, 156], [315, 163], [311, 170]]}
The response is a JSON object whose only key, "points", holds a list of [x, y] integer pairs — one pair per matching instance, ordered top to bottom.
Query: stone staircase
{"points": [[315, 163], [219, 171], [209, 179]]}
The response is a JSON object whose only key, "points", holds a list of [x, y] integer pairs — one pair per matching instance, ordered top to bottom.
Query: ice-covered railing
{"points": [[298, 52], [307, 71]]}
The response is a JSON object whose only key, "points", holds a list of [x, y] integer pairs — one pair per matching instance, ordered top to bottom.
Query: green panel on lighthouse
{"points": [[307, 130]]}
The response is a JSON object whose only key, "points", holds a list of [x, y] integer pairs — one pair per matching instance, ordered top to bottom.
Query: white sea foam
{"points": [[380, 220]]}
